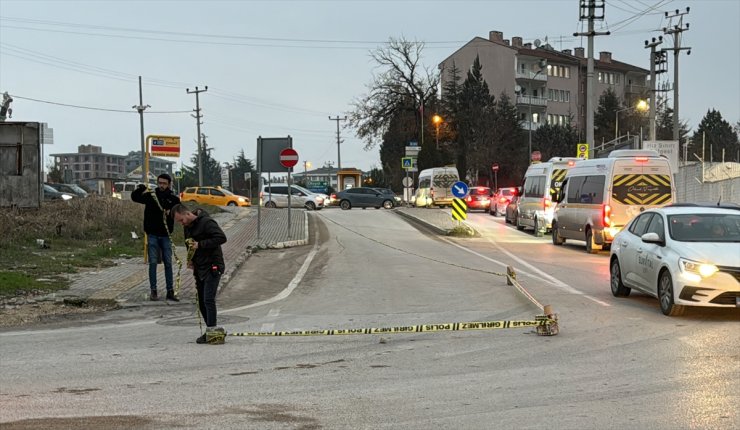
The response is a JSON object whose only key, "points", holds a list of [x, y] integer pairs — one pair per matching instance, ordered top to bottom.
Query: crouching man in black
{"points": [[204, 238]]}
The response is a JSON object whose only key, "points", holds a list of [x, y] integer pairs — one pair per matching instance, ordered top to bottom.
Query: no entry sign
{"points": [[288, 157]]}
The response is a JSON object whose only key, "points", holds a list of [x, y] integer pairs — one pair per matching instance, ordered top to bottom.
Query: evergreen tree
{"points": [[605, 117], [475, 120], [664, 125], [718, 136], [555, 141], [509, 148], [211, 171], [54, 173], [243, 176]]}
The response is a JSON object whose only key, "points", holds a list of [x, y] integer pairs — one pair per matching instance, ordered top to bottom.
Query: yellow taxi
{"points": [[214, 196]]}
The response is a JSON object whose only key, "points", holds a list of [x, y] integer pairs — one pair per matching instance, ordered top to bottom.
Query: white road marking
{"points": [[274, 312], [267, 327]]}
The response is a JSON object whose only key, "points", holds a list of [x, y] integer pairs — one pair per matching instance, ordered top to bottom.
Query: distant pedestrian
{"points": [[158, 225], [204, 238]]}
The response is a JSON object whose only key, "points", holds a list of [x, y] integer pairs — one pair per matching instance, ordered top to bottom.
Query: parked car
{"points": [[69, 189], [51, 194], [215, 196], [276, 196], [363, 197], [479, 198], [500, 201], [511, 215], [685, 255]]}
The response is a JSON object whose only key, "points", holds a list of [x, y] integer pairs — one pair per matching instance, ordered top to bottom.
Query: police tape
{"points": [[541, 322]]}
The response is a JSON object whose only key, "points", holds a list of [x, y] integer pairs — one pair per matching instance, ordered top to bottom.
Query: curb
{"points": [[431, 226]]}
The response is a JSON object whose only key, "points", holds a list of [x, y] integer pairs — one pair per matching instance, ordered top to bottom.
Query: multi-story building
{"points": [[546, 85], [90, 162]]}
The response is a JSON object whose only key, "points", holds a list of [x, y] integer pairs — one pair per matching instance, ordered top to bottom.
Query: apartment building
{"points": [[546, 85], [90, 162]]}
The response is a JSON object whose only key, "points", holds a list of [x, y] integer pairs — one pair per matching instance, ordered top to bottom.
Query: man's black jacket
{"points": [[153, 220], [210, 237]]}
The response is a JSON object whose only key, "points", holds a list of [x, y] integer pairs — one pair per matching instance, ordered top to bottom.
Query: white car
{"points": [[684, 254]]}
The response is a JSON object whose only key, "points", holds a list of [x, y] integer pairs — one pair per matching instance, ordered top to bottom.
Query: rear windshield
{"points": [[637, 189], [480, 191], [505, 192], [705, 227]]}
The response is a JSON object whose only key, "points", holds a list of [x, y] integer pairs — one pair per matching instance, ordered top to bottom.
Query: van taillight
{"points": [[571, 163], [431, 192], [547, 202], [606, 212]]}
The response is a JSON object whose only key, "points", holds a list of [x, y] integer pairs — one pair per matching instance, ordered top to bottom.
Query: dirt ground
{"points": [[32, 309]]}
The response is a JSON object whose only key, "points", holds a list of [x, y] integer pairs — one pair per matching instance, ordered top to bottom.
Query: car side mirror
{"points": [[652, 238]]}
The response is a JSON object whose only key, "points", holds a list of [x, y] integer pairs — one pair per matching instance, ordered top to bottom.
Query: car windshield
{"points": [[77, 189], [301, 189], [480, 191], [705, 227]]}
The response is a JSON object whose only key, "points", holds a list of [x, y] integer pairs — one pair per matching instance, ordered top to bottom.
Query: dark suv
{"points": [[362, 197]]}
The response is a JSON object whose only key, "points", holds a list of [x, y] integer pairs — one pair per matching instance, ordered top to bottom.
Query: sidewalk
{"points": [[128, 281]]}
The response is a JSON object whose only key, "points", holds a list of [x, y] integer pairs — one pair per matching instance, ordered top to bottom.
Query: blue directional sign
{"points": [[459, 189]]}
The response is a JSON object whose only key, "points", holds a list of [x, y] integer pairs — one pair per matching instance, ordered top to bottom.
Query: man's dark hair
{"points": [[165, 176], [179, 209]]}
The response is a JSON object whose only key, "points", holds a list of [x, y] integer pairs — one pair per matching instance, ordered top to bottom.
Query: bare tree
{"points": [[401, 82]]}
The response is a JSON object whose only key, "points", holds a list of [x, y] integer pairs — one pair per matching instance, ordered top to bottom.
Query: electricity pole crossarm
{"points": [[653, 63], [197, 117]]}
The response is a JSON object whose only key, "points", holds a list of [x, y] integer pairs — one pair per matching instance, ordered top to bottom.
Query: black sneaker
{"points": [[153, 296], [171, 296], [201, 339]]}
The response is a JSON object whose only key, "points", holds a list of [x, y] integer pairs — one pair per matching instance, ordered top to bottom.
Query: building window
{"points": [[567, 72], [601, 77], [616, 78], [566, 96]]}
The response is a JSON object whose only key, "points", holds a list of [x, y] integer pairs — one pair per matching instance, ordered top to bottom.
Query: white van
{"points": [[541, 184], [435, 187], [122, 190], [600, 196]]}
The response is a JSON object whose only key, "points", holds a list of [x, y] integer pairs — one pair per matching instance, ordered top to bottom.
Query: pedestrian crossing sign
{"points": [[407, 162]]}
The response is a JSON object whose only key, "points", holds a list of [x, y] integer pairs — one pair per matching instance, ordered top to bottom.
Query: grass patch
{"points": [[461, 231], [79, 233]]}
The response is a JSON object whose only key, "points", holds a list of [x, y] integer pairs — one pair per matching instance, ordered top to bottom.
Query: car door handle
{"points": [[624, 243], [639, 251]]}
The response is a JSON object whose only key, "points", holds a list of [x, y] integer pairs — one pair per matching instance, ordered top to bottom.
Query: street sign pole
{"points": [[289, 158]]}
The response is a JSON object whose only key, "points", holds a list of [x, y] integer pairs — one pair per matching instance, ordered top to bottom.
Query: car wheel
{"points": [[231, 204], [387, 204], [271, 205], [345, 205], [311, 206], [506, 219], [516, 223], [537, 230], [556, 239], [591, 246], [618, 288], [665, 296]]}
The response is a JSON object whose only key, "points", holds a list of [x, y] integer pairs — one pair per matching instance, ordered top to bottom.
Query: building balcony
{"points": [[541, 76], [636, 89], [531, 100]]}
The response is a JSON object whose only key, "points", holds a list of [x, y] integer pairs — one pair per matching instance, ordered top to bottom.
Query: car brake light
{"points": [[641, 159], [333, 196], [469, 199], [503, 200], [547, 202], [607, 215]]}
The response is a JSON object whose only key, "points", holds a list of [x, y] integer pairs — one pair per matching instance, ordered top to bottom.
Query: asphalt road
{"points": [[617, 363]]}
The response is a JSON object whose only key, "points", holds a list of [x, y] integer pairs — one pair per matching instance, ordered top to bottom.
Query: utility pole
{"points": [[588, 12], [676, 31], [654, 61], [141, 108], [197, 117], [339, 156]]}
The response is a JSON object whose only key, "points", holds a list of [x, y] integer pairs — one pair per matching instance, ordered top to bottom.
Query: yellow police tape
{"points": [[542, 322]]}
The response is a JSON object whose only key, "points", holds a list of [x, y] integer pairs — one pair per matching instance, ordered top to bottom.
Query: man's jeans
{"points": [[155, 243], [207, 286]]}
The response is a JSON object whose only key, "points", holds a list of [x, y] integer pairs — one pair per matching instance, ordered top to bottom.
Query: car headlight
{"points": [[66, 197], [241, 199], [703, 269]]}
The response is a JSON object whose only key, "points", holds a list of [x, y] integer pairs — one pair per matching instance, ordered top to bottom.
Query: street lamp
{"points": [[641, 106], [436, 119]]}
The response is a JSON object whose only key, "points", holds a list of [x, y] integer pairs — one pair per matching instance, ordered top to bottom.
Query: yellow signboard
{"points": [[164, 146], [582, 150], [459, 209]]}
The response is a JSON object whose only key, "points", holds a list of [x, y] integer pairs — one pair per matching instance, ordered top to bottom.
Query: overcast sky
{"points": [[277, 68]]}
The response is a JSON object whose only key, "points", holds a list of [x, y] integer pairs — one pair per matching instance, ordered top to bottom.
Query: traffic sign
{"points": [[164, 146], [582, 150], [288, 157], [407, 162], [494, 167], [178, 174], [407, 182], [460, 189], [459, 209]]}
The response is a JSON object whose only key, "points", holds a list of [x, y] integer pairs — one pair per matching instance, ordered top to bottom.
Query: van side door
{"points": [[568, 208]]}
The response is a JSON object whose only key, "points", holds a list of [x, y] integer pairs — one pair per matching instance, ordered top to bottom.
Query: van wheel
{"points": [[270, 205], [345, 205], [311, 206], [537, 231], [556, 239], [591, 246]]}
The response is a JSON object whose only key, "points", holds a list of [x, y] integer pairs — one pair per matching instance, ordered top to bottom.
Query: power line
{"points": [[91, 107]]}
